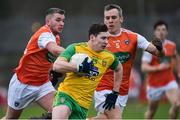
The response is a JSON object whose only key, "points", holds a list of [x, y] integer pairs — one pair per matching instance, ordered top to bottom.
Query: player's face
{"points": [[113, 21], [56, 23], [161, 32], [100, 41]]}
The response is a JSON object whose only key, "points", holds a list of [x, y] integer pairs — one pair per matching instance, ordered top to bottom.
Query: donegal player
{"points": [[75, 93]]}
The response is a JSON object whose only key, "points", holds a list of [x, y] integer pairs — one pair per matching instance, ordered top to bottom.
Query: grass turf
{"points": [[134, 110]]}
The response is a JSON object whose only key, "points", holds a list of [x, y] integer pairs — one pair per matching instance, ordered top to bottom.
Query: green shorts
{"points": [[78, 112]]}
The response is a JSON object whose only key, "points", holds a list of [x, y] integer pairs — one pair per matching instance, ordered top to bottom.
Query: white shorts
{"points": [[157, 93], [21, 95], [100, 97]]}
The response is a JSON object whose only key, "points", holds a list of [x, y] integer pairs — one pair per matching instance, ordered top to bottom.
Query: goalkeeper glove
{"points": [[158, 43], [88, 68], [110, 100]]}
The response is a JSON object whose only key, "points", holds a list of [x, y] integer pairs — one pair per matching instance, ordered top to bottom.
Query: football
{"points": [[78, 58]]}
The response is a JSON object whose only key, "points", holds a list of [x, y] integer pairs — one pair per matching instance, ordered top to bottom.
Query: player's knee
{"points": [[177, 104], [114, 115]]}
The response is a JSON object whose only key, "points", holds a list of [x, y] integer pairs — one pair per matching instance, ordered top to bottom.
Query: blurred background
{"points": [[19, 19]]}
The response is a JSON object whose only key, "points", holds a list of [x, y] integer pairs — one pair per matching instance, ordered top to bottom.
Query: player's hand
{"points": [[157, 43], [50, 57], [163, 66], [88, 68], [93, 72], [54, 77], [110, 100]]}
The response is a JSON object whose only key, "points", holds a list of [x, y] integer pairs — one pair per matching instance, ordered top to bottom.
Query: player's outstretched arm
{"points": [[53, 48]]}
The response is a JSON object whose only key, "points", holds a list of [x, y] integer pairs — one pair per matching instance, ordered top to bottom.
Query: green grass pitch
{"points": [[134, 110]]}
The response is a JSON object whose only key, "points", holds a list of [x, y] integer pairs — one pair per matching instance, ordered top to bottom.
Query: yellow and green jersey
{"points": [[81, 88]]}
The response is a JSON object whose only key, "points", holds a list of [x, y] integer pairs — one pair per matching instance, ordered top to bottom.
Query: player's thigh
{"points": [[172, 92], [155, 94], [20, 95], [172, 95], [45, 96], [100, 97], [153, 104], [61, 112], [77, 112], [12, 113], [114, 113]]}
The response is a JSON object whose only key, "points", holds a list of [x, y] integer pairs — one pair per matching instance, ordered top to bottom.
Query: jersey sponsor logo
{"points": [[123, 56], [165, 59]]}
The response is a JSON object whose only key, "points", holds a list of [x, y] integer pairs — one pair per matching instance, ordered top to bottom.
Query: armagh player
{"points": [[123, 43], [160, 79], [30, 81], [75, 93]]}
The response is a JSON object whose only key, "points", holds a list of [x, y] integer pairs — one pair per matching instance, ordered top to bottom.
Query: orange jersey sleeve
{"points": [[33, 67]]}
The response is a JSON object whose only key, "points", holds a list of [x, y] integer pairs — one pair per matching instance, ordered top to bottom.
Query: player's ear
{"points": [[121, 19], [47, 20], [92, 37]]}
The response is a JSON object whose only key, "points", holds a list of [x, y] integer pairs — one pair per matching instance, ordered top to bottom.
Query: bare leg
{"points": [[173, 97], [46, 101], [152, 107], [61, 112], [12, 113], [114, 113], [109, 114], [99, 116]]}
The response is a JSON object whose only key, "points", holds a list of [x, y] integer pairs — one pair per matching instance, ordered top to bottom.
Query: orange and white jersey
{"points": [[124, 46], [33, 67], [161, 78]]}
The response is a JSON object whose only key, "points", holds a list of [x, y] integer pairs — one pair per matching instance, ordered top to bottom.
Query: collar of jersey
{"points": [[116, 34]]}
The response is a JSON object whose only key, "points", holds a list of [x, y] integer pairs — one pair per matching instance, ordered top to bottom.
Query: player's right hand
{"points": [[157, 43], [88, 68]]}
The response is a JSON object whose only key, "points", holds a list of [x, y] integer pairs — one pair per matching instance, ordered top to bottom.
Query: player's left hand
{"points": [[88, 68], [93, 71], [110, 100]]}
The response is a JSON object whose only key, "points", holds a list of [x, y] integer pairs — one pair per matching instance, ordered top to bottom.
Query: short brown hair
{"points": [[113, 6], [51, 11], [95, 29]]}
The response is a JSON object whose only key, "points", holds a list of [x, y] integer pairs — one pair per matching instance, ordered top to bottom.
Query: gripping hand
{"points": [[158, 43], [88, 68], [110, 100]]}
